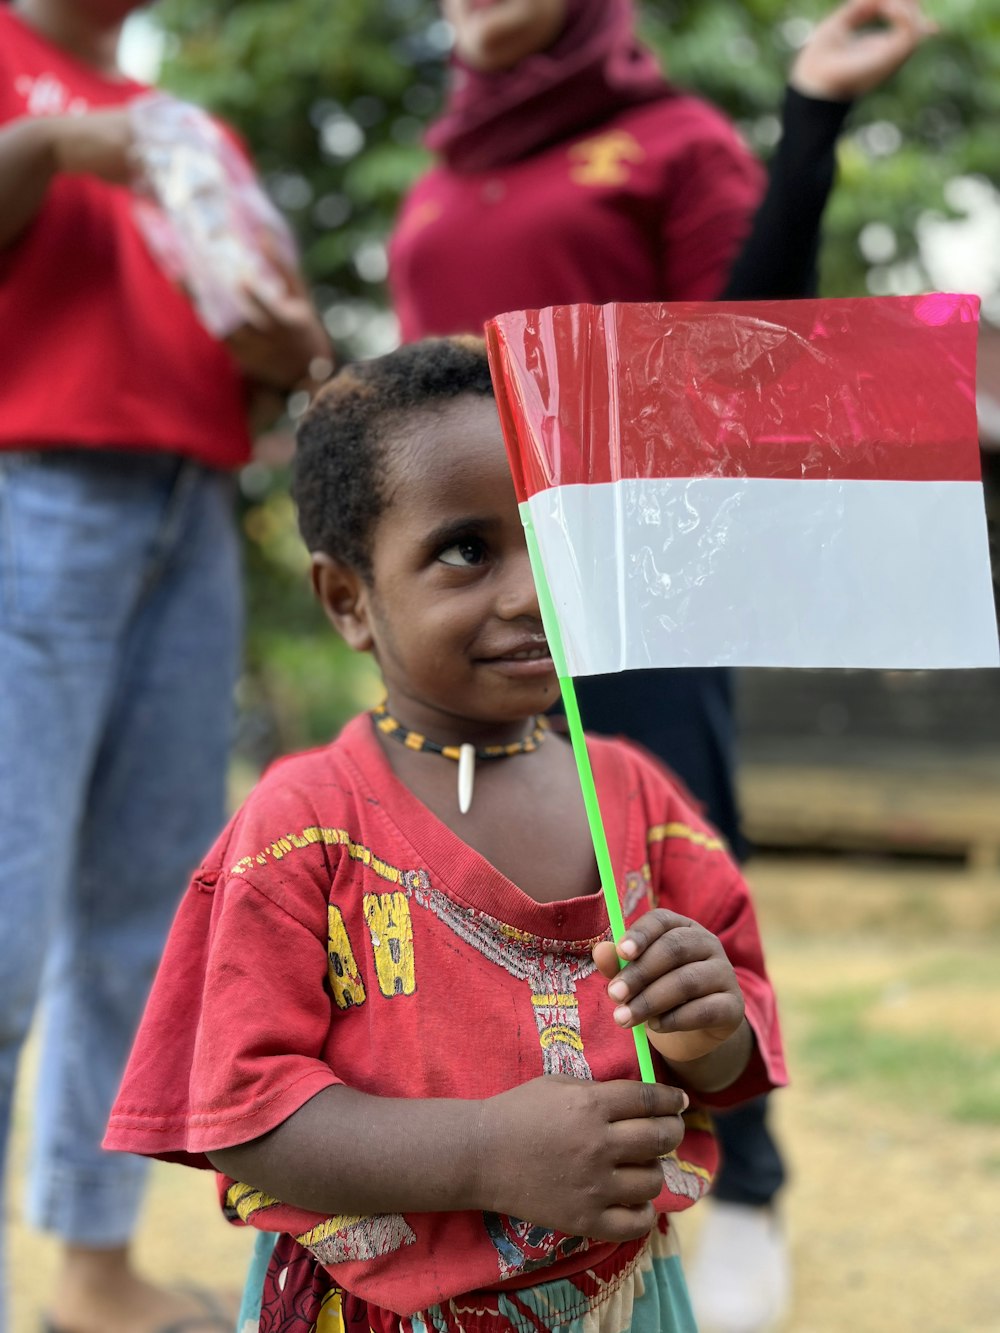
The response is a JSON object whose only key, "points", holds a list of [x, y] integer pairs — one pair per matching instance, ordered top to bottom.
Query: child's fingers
{"points": [[650, 926], [605, 955], [668, 993], [711, 1013], [625, 1099], [646, 1140], [638, 1184], [621, 1224]]}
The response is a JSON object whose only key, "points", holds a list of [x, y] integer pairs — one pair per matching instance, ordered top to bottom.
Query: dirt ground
{"points": [[893, 1211]]}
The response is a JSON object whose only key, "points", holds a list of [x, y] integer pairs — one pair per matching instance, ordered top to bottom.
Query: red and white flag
{"points": [[777, 483]]}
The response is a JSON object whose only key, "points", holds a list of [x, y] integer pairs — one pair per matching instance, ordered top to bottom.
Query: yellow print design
{"points": [[604, 159], [684, 832], [329, 837], [391, 930], [345, 980], [244, 1202], [336, 1239], [344, 1239], [331, 1313]]}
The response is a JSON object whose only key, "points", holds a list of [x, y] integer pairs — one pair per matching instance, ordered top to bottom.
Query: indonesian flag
{"points": [[776, 483]]}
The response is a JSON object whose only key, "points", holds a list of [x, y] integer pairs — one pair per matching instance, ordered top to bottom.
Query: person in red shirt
{"points": [[571, 170], [121, 419], [401, 1033]]}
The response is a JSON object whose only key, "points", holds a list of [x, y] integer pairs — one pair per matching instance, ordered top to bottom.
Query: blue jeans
{"points": [[120, 626]]}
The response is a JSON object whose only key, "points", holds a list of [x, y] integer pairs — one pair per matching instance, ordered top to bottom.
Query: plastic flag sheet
{"points": [[775, 483]]}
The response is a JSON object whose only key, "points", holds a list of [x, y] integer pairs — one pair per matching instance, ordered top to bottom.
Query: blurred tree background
{"points": [[333, 98]]}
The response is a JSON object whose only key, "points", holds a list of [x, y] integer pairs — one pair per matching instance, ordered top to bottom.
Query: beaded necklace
{"points": [[465, 755]]}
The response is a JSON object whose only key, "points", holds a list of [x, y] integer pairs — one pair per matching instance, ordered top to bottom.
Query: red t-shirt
{"points": [[651, 206], [98, 348], [338, 932]]}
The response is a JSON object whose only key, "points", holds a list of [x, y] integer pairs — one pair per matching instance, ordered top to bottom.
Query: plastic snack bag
{"points": [[203, 213]]}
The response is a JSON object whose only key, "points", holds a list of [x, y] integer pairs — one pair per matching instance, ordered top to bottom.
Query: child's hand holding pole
{"points": [[679, 982], [569, 1154], [581, 1157]]}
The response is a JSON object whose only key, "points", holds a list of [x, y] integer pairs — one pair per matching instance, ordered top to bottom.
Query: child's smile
{"points": [[452, 608]]}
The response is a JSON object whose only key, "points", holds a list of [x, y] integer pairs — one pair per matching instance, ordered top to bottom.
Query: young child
{"points": [[397, 1029]]}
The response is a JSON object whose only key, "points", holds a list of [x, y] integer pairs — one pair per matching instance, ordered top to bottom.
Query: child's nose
{"points": [[517, 595]]}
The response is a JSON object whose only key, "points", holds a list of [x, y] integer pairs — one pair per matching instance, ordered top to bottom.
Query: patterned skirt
{"points": [[638, 1289]]}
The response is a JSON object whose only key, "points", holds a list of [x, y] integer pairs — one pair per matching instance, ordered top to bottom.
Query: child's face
{"points": [[451, 608]]}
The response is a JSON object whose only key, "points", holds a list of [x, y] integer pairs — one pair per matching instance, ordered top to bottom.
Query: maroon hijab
{"points": [[595, 67]]}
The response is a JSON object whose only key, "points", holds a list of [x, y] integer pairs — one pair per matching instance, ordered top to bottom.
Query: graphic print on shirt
{"points": [[47, 95], [604, 158], [388, 918], [390, 930], [550, 967], [342, 971], [336, 1239], [523, 1246]]}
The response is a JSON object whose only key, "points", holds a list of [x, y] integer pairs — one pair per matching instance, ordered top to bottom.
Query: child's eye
{"points": [[463, 554]]}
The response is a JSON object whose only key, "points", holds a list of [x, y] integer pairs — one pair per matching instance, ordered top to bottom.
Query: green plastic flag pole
{"points": [[586, 774]]}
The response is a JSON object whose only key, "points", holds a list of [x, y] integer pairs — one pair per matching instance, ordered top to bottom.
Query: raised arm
{"points": [[843, 59]]}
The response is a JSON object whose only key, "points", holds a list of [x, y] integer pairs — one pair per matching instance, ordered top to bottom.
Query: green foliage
{"points": [[333, 97], [301, 682]]}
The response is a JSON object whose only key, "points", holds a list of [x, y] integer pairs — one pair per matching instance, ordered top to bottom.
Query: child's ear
{"points": [[344, 596]]}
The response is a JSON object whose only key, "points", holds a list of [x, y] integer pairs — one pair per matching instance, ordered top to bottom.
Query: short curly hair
{"points": [[339, 478]]}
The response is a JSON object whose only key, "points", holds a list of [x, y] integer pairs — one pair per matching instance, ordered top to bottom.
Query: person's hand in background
{"points": [[857, 47], [283, 343]]}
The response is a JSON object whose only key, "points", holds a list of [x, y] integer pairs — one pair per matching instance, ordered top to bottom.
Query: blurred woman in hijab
{"points": [[571, 170]]}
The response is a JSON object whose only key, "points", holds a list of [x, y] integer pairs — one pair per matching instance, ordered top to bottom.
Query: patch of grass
{"points": [[971, 967], [844, 1045], [979, 1105]]}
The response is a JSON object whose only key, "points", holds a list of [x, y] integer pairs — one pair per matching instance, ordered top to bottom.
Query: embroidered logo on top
{"points": [[46, 95], [604, 159], [421, 215]]}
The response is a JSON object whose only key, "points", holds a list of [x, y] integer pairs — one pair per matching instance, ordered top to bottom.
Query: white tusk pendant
{"points": [[466, 776]]}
